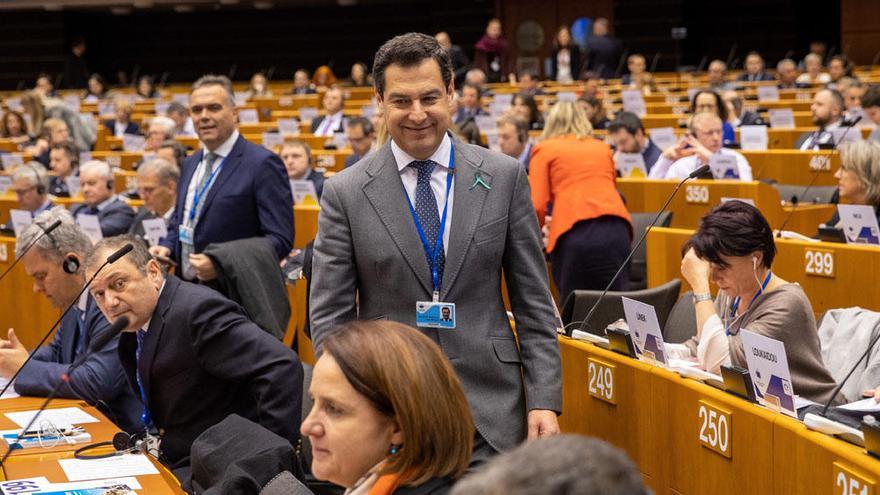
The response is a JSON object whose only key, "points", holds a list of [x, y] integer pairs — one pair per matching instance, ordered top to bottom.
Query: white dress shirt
{"points": [[119, 128], [826, 134], [685, 166], [410, 176]]}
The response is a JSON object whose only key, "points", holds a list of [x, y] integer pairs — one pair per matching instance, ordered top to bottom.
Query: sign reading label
{"points": [[819, 262], [601, 385], [716, 429], [848, 482]]}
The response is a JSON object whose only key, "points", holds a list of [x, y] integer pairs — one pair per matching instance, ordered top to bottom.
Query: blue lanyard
{"points": [[198, 194], [438, 243], [735, 305]]}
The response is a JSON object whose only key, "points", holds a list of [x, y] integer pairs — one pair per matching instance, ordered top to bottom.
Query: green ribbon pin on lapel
{"points": [[478, 181]]}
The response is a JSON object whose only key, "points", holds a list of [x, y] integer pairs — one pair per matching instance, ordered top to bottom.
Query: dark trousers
{"points": [[588, 255], [481, 453]]}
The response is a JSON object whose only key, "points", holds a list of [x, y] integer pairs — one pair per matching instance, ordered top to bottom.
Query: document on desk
{"points": [[864, 405], [58, 417], [112, 467], [42, 485]]}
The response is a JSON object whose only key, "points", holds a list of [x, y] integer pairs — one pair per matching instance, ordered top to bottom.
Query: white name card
{"points": [[767, 93], [566, 96], [506, 99], [72, 102], [634, 102], [106, 108], [308, 114], [248, 116], [781, 118], [486, 123], [288, 127], [663, 137], [753, 137], [272, 139], [133, 142], [10, 161], [631, 165], [723, 166], [5, 184], [73, 185], [304, 192], [20, 220], [859, 224], [90, 226], [154, 230], [642, 321], [768, 367]]}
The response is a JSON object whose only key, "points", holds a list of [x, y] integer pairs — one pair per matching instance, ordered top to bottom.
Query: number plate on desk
{"points": [[697, 194], [4, 253], [819, 262], [601, 385], [716, 429], [847, 482]]}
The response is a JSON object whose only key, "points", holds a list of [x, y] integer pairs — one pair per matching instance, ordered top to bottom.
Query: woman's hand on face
{"points": [[696, 272]]}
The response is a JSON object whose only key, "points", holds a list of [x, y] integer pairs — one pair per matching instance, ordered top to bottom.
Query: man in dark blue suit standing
{"points": [[230, 189], [56, 264]]}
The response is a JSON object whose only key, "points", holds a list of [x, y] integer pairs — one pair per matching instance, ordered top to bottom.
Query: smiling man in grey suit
{"points": [[389, 240]]}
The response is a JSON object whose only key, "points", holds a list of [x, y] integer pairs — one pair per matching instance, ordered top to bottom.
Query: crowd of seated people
{"points": [[404, 425]]}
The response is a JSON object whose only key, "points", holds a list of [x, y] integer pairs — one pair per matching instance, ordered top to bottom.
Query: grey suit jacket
{"points": [[369, 264]]}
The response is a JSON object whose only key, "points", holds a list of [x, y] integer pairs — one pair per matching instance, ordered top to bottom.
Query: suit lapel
{"points": [[230, 163], [385, 192], [466, 209], [154, 333]]}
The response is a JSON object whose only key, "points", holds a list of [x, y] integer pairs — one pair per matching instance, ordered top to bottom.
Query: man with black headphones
{"points": [[513, 139], [64, 161], [298, 161], [30, 183], [115, 217], [55, 263]]}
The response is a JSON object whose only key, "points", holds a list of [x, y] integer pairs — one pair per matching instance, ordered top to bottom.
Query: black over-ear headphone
{"points": [[70, 264], [122, 443]]}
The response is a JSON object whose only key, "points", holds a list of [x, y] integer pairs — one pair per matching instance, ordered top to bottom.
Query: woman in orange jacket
{"points": [[573, 174]]}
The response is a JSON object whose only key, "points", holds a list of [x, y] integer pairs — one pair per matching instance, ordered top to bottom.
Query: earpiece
{"points": [[110, 185], [754, 263], [71, 264]]}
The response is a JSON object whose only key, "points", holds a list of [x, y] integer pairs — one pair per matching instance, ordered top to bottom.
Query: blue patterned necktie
{"points": [[426, 209], [145, 416]]}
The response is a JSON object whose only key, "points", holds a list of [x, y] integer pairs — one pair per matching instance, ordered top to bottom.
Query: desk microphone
{"points": [[696, 173], [815, 176], [48, 230], [110, 259], [102, 340]]}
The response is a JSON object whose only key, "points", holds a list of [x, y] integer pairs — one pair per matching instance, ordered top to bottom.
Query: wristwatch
{"points": [[702, 297]]}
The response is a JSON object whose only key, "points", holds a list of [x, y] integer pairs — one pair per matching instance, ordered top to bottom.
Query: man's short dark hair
{"points": [[409, 50], [529, 73], [472, 86], [871, 98], [177, 107], [628, 121], [362, 122], [178, 149], [70, 150], [736, 229]]}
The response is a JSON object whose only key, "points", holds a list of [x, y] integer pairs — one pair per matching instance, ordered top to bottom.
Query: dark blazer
{"points": [[603, 53], [576, 62], [760, 77], [302, 91], [463, 115], [751, 118], [318, 121], [131, 128], [651, 154], [317, 179], [57, 187], [250, 198], [115, 218], [137, 226], [204, 360], [100, 380]]}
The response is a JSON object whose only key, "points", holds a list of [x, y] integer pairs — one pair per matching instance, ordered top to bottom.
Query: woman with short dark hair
{"points": [[525, 106], [734, 249]]}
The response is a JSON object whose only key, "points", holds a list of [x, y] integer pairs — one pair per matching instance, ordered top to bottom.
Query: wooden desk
{"points": [[786, 138], [794, 167], [697, 197], [305, 224], [851, 280], [28, 312], [25, 403], [623, 423], [102, 431], [47, 465]]}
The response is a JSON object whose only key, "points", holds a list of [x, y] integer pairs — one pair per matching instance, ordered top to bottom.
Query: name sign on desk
{"points": [[767, 93], [566, 96], [634, 102], [308, 114], [248, 116], [781, 118], [288, 127], [663, 137], [753, 137], [272, 139], [133, 142], [10, 161], [631, 165], [723, 166], [5, 184], [73, 185], [304, 192], [697, 194], [20, 220], [859, 224], [90, 226], [154, 230], [4, 253], [819, 262], [642, 321], [768, 367], [601, 380], [716, 428], [848, 482]]}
